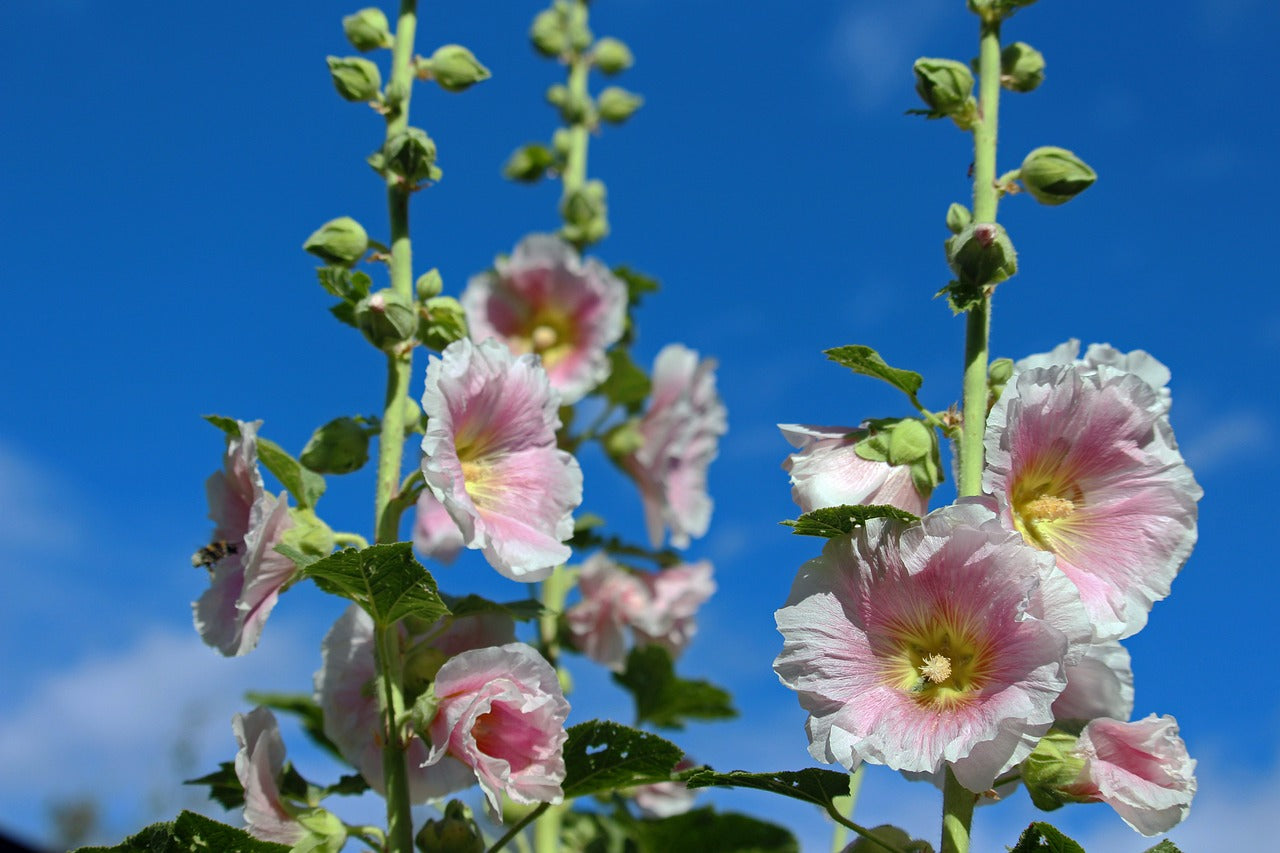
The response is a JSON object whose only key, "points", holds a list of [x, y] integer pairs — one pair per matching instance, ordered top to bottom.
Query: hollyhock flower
{"points": [[547, 300], [1138, 362], [681, 430], [491, 457], [1082, 464], [827, 471], [435, 534], [246, 575], [674, 596], [611, 598], [925, 644], [1100, 685], [345, 692], [502, 714], [259, 767], [666, 799]]}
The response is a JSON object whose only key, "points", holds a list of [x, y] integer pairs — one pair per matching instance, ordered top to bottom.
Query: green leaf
{"points": [[638, 284], [345, 312], [868, 362], [627, 385], [228, 425], [306, 486], [838, 520], [300, 558], [385, 580], [524, 610], [666, 700], [304, 707], [601, 755], [224, 785], [350, 785], [811, 785], [708, 831], [593, 832], [191, 833], [1045, 838], [1165, 846]]}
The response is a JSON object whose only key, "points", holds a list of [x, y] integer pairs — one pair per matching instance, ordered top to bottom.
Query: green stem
{"points": [[575, 170], [354, 539], [555, 589], [395, 775], [957, 814], [517, 826], [861, 830], [546, 832]]}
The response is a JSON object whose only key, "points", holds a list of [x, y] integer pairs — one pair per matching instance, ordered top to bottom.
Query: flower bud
{"points": [[368, 29], [547, 33], [612, 56], [1021, 67], [455, 68], [355, 78], [945, 85], [617, 104], [574, 108], [562, 142], [411, 155], [528, 164], [1055, 175], [585, 213], [958, 217], [341, 241], [982, 254], [429, 284], [386, 318], [442, 321], [998, 375], [412, 416], [624, 439], [339, 447], [308, 534], [1052, 766], [456, 832], [326, 833]]}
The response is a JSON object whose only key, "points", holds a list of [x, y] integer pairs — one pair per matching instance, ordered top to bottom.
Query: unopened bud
{"points": [[368, 29], [547, 33], [612, 56], [1021, 67], [455, 68], [355, 78], [945, 86], [616, 104], [411, 154], [528, 164], [1055, 175], [585, 214], [958, 217], [341, 241], [982, 254], [429, 284], [386, 318], [442, 322], [624, 439], [339, 447], [309, 534], [1052, 766], [325, 832], [456, 832]]}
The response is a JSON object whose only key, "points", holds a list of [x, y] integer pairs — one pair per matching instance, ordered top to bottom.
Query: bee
{"points": [[210, 554]]}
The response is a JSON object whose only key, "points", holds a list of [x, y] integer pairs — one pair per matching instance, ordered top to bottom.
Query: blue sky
{"points": [[162, 164]]}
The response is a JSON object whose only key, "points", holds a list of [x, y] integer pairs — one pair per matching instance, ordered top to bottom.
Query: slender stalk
{"points": [[575, 171], [395, 775], [957, 814], [517, 826], [546, 832]]}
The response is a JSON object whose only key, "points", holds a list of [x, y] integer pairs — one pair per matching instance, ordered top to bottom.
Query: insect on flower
{"points": [[208, 556]]}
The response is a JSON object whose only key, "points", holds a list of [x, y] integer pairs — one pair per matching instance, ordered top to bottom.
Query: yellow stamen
{"points": [[544, 338], [1048, 508], [936, 668]]}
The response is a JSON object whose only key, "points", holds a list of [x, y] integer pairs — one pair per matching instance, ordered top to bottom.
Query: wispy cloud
{"points": [[873, 45], [1227, 439], [32, 498]]}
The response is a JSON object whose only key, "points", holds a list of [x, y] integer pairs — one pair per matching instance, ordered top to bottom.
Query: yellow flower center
{"points": [[550, 335], [1044, 504], [941, 664]]}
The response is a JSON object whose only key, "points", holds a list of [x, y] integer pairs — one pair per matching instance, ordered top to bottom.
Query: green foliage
{"points": [[638, 284], [865, 360], [628, 384], [339, 447], [305, 486], [834, 521], [386, 580], [524, 610], [663, 698], [304, 707], [602, 755], [224, 785], [811, 785], [708, 831], [190, 833], [1045, 838], [1165, 846]]}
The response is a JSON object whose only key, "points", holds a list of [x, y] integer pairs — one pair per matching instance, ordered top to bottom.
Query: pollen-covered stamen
{"points": [[544, 338], [1048, 508], [936, 668]]}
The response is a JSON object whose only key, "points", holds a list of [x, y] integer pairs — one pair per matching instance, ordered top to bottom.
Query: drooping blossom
{"points": [[546, 299], [1138, 362], [681, 432], [490, 457], [1082, 463], [827, 471], [435, 533], [247, 574], [674, 596], [611, 598], [926, 644], [1099, 685], [345, 691], [502, 714], [259, 767], [1141, 769], [666, 799]]}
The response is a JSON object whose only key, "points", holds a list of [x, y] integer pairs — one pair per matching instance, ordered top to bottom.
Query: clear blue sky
{"points": [[163, 162]]}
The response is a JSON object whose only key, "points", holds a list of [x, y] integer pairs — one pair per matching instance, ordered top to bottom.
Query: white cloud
{"points": [[874, 44], [1233, 437], [31, 504]]}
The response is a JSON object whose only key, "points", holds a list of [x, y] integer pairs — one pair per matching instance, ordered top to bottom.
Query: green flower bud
{"points": [[368, 29], [547, 33], [612, 56], [1021, 67], [455, 68], [355, 78], [944, 85], [617, 104], [574, 108], [561, 142], [411, 155], [528, 164], [1055, 175], [585, 214], [958, 217], [341, 242], [982, 254], [429, 284], [386, 318], [442, 321], [998, 375], [412, 416], [624, 439], [909, 441], [339, 447], [309, 534], [420, 670], [1050, 767], [456, 832], [326, 833]]}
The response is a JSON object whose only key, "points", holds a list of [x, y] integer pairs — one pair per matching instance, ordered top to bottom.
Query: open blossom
{"points": [[547, 300], [1138, 362], [681, 432], [490, 457], [1082, 463], [827, 471], [435, 533], [247, 574], [674, 596], [925, 644], [1099, 685], [344, 689], [502, 714], [259, 767], [1141, 769]]}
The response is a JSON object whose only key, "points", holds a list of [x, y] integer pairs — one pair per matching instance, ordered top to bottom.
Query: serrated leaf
{"points": [[638, 284], [345, 312], [868, 362], [628, 384], [305, 485], [838, 520], [385, 580], [524, 610], [664, 699], [304, 707], [602, 755], [224, 785], [350, 785], [812, 785], [708, 831], [191, 833], [1042, 837], [1165, 846]]}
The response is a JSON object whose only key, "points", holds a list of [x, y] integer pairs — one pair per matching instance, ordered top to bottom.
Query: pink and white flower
{"points": [[547, 300], [1138, 362], [681, 432], [490, 457], [1082, 463], [827, 471], [435, 533], [246, 580], [674, 596], [611, 599], [926, 644], [1099, 685], [344, 689], [502, 714], [259, 767], [1141, 769], [666, 799]]}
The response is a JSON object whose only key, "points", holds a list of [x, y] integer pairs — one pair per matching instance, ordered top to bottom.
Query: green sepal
{"points": [[368, 30], [548, 33], [611, 56], [1021, 67], [454, 68], [355, 78], [946, 87], [616, 104], [410, 155], [529, 163], [1055, 175], [958, 217], [341, 241], [343, 283], [638, 284], [441, 321], [865, 360], [628, 384], [622, 440], [339, 447], [305, 486], [832, 521], [309, 535], [385, 580], [523, 610], [665, 700], [423, 710], [602, 755], [1050, 767], [811, 785], [454, 832], [190, 833], [326, 833], [1042, 837]]}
